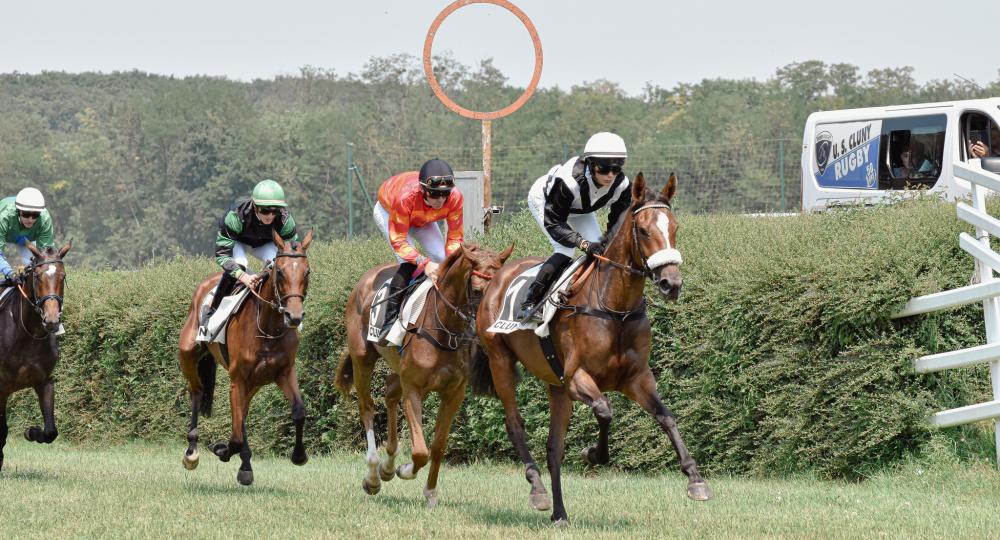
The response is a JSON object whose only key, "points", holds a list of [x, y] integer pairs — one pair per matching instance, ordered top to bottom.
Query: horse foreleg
{"points": [[504, 381], [289, 384], [583, 388], [643, 391], [393, 393], [46, 400], [237, 404], [413, 409], [560, 410], [446, 414], [3, 426], [245, 475]]}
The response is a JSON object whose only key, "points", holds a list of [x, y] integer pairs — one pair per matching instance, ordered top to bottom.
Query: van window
{"points": [[977, 127], [911, 152], [895, 153]]}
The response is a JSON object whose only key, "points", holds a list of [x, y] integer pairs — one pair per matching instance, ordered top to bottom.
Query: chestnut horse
{"points": [[602, 338], [261, 342], [29, 348], [435, 358]]}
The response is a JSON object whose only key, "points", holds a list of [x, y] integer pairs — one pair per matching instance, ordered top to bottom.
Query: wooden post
{"points": [[487, 173]]}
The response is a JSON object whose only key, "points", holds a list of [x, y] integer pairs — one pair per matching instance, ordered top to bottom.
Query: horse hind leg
{"points": [[199, 370], [360, 375], [504, 384], [643, 391], [393, 393], [46, 400], [413, 410], [3, 426]]}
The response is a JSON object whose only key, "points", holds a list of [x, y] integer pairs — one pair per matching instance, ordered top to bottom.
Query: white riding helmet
{"points": [[605, 145], [29, 199]]}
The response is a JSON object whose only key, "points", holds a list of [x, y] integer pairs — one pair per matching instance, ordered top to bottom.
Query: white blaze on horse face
{"points": [[669, 255], [51, 272]]}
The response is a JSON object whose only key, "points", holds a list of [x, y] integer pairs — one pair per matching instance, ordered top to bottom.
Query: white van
{"points": [[864, 155]]}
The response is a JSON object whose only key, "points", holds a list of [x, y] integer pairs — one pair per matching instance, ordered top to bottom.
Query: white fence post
{"points": [[986, 290]]}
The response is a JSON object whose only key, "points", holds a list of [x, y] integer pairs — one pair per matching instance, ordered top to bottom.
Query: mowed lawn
{"points": [[141, 490]]}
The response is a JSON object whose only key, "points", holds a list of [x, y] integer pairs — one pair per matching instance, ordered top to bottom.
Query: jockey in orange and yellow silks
{"points": [[409, 206]]}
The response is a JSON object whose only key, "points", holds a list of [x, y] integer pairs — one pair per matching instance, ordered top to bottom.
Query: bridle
{"points": [[34, 300], [279, 303], [603, 311], [454, 339]]}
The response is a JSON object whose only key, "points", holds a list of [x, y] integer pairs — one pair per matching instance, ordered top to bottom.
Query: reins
{"points": [[34, 302], [278, 303], [454, 338]]}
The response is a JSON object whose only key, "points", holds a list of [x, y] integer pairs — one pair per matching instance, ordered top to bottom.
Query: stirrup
{"points": [[526, 312]]}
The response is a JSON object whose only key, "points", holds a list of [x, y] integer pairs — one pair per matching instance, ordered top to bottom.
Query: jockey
{"points": [[565, 201], [409, 206], [24, 219], [246, 228]]}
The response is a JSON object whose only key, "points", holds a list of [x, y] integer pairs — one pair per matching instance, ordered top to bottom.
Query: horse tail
{"points": [[206, 372], [345, 373], [480, 376]]}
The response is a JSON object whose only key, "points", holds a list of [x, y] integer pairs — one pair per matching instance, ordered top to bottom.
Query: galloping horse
{"points": [[602, 336], [261, 342], [29, 348], [435, 358]]}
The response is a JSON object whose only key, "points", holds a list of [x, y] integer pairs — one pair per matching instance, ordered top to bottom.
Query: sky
{"points": [[630, 42]]}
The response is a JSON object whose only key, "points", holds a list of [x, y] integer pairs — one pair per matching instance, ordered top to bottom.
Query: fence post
{"points": [[781, 169], [350, 192]]}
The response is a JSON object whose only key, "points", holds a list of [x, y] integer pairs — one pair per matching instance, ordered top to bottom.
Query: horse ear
{"points": [[639, 187], [670, 188], [307, 240], [278, 241], [65, 249], [34, 250], [505, 254]]}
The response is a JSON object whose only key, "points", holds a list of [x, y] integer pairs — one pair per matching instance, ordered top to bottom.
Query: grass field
{"points": [[141, 490]]}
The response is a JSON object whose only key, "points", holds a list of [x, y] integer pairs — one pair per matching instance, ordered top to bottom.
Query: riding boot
{"points": [[549, 271], [222, 290], [395, 299]]}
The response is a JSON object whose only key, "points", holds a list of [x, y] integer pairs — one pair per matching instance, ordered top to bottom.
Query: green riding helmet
{"points": [[268, 193]]}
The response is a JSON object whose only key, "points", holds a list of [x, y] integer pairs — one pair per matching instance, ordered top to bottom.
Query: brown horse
{"points": [[602, 337], [261, 342], [29, 348], [435, 358]]}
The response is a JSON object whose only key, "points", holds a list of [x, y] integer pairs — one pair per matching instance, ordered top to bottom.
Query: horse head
{"points": [[654, 232], [485, 264], [47, 278], [291, 278]]}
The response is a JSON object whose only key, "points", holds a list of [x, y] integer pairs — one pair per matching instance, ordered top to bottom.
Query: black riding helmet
{"points": [[436, 177]]}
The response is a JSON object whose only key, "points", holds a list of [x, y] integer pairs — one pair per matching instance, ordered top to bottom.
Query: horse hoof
{"points": [[33, 434], [221, 450], [590, 457], [300, 459], [190, 461], [405, 472], [386, 475], [244, 477], [370, 488], [699, 491], [432, 497], [540, 501], [560, 523]]}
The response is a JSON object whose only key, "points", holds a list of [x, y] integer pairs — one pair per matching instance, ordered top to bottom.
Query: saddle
{"points": [[517, 291], [413, 304], [213, 330]]}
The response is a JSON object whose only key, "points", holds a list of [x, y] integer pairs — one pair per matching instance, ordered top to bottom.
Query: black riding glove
{"points": [[593, 248]]}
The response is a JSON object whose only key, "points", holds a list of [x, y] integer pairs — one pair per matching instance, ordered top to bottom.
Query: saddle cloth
{"points": [[517, 291], [4, 292], [408, 313], [215, 329]]}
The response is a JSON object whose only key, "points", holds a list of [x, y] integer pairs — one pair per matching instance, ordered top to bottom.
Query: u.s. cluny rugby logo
{"points": [[824, 144]]}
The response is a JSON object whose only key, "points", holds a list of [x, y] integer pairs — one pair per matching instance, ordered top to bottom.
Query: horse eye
{"points": [[643, 233]]}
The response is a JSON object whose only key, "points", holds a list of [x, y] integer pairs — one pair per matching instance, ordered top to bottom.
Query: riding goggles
{"points": [[605, 166], [438, 182], [268, 210], [30, 215]]}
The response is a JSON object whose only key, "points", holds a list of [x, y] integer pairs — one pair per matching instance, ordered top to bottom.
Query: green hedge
{"points": [[780, 356]]}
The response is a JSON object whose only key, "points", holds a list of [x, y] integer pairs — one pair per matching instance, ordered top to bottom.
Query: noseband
{"points": [[38, 302]]}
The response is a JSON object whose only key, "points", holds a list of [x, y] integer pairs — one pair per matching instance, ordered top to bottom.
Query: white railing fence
{"points": [[986, 291]]}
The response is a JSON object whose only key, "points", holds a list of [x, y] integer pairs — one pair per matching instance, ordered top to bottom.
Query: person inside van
{"points": [[978, 149], [905, 167]]}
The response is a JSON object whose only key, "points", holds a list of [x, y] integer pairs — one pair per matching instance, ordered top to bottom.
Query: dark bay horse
{"points": [[602, 338], [261, 342], [29, 348], [435, 358]]}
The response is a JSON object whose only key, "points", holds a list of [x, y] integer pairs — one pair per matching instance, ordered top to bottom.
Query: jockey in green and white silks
{"points": [[24, 219], [246, 229]]}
